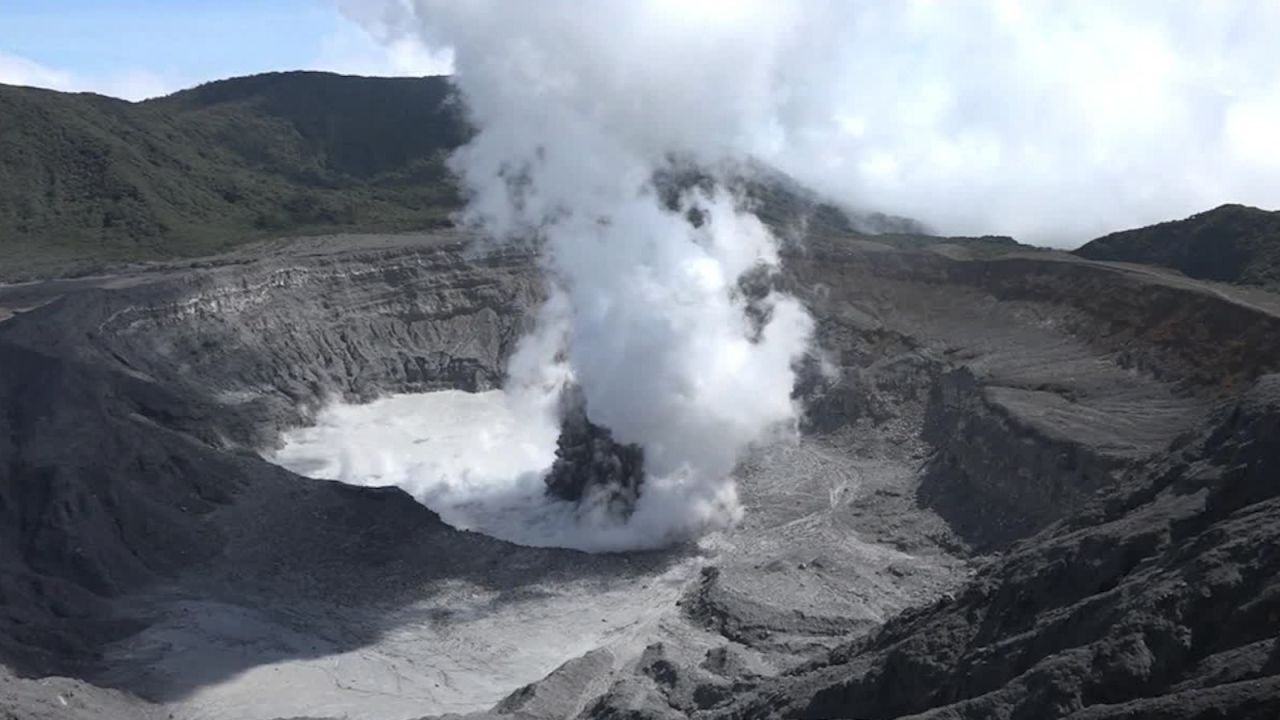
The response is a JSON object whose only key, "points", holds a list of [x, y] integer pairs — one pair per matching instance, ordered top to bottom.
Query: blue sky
{"points": [[141, 48]]}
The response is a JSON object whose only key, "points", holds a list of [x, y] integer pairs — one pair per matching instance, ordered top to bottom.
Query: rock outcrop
{"points": [[591, 467], [1161, 599]]}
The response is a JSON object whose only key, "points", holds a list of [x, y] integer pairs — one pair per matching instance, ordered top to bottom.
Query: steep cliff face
{"points": [[277, 336], [1034, 382], [1000, 477], [1160, 599]]}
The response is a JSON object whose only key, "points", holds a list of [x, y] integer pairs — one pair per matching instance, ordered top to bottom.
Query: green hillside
{"points": [[87, 180]]}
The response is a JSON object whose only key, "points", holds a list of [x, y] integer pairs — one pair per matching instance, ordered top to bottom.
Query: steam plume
{"points": [[1049, 120], [1052, 121], [646, 314]]}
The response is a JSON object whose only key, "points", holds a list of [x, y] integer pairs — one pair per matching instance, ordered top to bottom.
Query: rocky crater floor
{"points": [[1027, 485]]}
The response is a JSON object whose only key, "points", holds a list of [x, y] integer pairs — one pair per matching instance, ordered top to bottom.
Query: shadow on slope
{"points": [[118, 516]]}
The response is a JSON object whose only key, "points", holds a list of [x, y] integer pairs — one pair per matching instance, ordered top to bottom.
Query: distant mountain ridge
{"points": [[86, 178], [88, 182], [1231, 243]]}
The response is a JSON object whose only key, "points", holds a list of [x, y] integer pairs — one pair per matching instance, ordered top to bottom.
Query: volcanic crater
{"points": [[1025, 485]]}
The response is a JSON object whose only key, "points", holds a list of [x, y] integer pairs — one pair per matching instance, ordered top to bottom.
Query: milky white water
{"points": [[448, 444], [478, 459]]}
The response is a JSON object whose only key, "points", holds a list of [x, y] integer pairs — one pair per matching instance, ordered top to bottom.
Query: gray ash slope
{"points": [[1036, 486]]}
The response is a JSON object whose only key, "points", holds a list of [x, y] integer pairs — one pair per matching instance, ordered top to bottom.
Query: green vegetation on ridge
{"points": [[87, 180], [1231, 243]]}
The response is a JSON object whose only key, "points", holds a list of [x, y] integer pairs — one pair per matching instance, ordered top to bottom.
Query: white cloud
{"points": [[348, 48], [353, 50], [21, 71], [129, 85], [1054, 121]]}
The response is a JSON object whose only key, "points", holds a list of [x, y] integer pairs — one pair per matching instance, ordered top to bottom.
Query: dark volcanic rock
{"points": [[1231, 243], [590, 465], [994, 477], [96, 497], [1162, 599], [561, 693]]}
